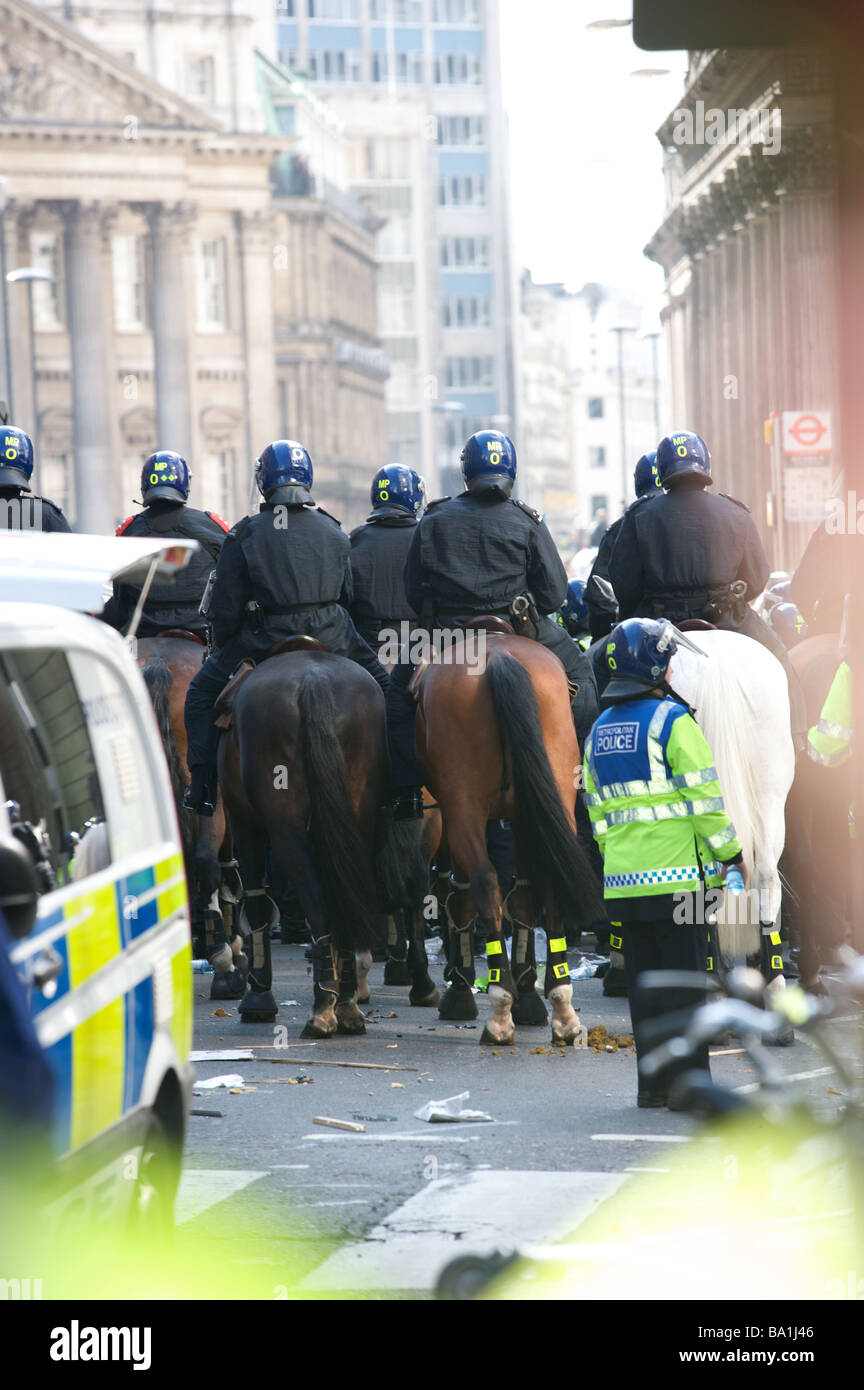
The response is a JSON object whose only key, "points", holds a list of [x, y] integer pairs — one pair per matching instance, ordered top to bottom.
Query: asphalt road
{"points": [[379, 1213]]}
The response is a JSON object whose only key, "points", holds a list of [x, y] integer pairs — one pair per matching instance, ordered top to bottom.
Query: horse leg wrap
{"points": [[218, 950], [771, 961], [499, 965], [260, 968], [557, 969], [325, 980]]}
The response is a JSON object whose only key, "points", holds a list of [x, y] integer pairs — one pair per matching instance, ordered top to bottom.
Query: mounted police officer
{"points": [[164, 493], [19, 511], [379, 549], [481, 552], [692, 553], [280, 573], [602, 610], [573, 614]]}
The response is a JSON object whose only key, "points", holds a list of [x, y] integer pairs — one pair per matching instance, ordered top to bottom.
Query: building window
{"points": [[286, 8], [334, 9], [399, 11], [456, 12], [334, 65], [408, 67], [458, 69], [200, 77], [461, 130], [381, 158], [462, 190], [396, 238], [465, 252], [45, 253], [127, 265], [210, 287], [396, 309], [466, 311], [470, 373], [595, 407], [459, 427], [597, 456], [219, 470], [56, 476]]}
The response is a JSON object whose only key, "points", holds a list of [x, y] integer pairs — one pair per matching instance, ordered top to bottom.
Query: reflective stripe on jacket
{"points": [[829, 742], [655, 801]]}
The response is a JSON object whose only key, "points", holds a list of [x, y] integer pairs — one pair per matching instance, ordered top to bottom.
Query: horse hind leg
{"points": [[364, 965], [396, 968], [423, 993], [501, 993], [458, 1002], [529, 1011], [349, 1019], [567, 1027]]}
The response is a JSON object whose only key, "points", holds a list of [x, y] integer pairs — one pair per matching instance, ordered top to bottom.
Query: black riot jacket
{"points": [[22, 511], [673, 551], [378, 553], [473, 554], [285, 557], [172, 603], [603, 613]]}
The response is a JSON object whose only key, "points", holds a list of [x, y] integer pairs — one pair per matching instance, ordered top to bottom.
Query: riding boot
{"points": [[405, 781], [200, 795]]}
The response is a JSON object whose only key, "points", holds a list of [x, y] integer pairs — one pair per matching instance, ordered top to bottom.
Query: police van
{"points": [[85, 788]]}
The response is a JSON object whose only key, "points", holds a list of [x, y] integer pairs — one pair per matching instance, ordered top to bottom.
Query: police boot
{"points": [[200, 795], [615, 978]]}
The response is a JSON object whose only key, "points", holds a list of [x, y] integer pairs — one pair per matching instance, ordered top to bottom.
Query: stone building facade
{"points": [[748, 248], [192, 306]]}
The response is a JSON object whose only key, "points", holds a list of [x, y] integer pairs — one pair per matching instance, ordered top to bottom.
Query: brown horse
{"points": [[168, 663], [496, 740]]}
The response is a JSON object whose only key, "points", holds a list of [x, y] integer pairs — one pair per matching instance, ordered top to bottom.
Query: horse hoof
{"points": [[222, 959], [396, 972], [228, 984], [364, 994], [426, 1001], [457, 1005], [257, 1007], [529, 1011], [349, 1018], [317, 1028], [573, 1036], [489, 1039]]}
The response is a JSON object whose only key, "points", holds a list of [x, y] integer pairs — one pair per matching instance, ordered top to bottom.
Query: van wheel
{"points": [[152, 1209]]}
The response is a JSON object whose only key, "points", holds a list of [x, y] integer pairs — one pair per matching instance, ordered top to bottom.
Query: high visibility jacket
{"points": [[829, 741], [655, 801]]}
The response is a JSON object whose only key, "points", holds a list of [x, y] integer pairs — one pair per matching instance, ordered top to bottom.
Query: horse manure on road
{"points": [[599, 1040]]}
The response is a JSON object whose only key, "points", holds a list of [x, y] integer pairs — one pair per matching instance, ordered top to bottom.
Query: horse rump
{"points": [[158, 680], [344, 861], [558, 865]]}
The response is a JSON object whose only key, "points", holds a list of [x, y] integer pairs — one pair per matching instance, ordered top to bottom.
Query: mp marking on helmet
{"points": [[11, 447], [494, 452], [296, 453], [610, 660]]}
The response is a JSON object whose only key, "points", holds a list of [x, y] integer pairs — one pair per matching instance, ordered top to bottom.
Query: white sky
{"points": [[586, 167]]}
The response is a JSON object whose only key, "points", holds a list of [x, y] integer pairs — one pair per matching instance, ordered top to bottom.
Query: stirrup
{"points": [[408, 805]]}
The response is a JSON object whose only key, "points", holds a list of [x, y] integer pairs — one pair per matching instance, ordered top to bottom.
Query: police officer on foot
{"points": [[165, 481], [19, 510], [379, 549], [479, 553], [692, 553], [282, 572], [602, 610], [662, 844]]}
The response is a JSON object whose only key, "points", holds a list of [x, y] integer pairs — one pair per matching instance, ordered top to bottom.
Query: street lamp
{"points": [[30, 274], [619, 329], [652, 337]]}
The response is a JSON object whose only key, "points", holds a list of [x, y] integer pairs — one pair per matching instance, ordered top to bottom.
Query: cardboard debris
{"points": [[338, 1124]]}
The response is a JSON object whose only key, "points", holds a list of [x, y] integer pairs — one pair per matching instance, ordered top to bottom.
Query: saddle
{"points": [[695, 625], [182, 634], [224, 705]]}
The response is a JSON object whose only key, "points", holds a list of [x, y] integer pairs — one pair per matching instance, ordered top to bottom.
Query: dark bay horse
{"points": [[168, 664], [496, 740], [303, 769]]}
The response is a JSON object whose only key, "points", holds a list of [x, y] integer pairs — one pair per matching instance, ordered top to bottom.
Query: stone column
{"points": [[257, 237], [170, 309], [89, 318]]}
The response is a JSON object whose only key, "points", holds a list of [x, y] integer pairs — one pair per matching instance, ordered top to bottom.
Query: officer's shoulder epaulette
{"points": [[34, 497], [736, 500], [436, 503], [529, 511], [334, 519], [220, 520], [121, 529], [357, 530]]}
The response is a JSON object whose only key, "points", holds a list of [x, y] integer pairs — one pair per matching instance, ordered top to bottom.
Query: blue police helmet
{"points": [[683, 454], [489, 460], [284, 463], [16, 465], [165, 475], [645, 475], [398, 487], [574, 604], [788, 623], [637, 653]]}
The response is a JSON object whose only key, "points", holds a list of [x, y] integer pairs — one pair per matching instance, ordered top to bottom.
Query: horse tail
{"points": [[158, 680], [727, 719], [554, 853], [344, 861]]}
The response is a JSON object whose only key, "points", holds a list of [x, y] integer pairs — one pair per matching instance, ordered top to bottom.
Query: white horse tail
{"points": [[728, 719]]}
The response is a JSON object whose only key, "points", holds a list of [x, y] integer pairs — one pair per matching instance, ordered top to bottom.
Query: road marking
{"points": [[792, 1076], [395, 1138], [643, 1138], [647, 1170], [202, 1188], [473, 1213]]}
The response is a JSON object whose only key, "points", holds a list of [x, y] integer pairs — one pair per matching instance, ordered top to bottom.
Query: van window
{"points": [[47, 765]]}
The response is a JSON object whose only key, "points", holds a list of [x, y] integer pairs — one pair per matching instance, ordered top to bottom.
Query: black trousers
{"points": [[662, 945]]}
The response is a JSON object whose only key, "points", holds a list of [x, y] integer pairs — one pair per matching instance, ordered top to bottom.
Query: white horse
{"points": [[740, 696]]}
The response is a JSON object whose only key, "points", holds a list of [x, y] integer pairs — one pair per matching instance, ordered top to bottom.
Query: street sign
{"points": [[806, 431]]}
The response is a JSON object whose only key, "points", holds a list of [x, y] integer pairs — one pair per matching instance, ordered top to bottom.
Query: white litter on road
{"points": [[231, 1054], [232, 1079], [450, 1111], [471, 1214]]}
